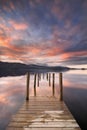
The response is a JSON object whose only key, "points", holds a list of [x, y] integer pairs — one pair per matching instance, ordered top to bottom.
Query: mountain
{"points": [[14, 69]]}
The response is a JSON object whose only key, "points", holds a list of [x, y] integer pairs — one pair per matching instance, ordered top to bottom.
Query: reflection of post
{"points": [[39, 74], [43, 75], [38, 80], [49, 80], [35, 85], [53, 86], [61, 86], [27, 91], [27, 105]]}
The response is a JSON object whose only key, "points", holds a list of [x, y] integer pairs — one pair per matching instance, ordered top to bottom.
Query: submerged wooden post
{"points": [[47, 76], [38, 80], [49, 80], [35, 85], [53, 86], [61, 86], [27, 90]]}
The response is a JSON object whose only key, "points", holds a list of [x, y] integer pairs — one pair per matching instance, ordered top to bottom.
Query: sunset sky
{"points": [[49, 32]]}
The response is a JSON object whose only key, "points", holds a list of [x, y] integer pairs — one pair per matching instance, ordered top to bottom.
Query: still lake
{"points": [[13, 92]]}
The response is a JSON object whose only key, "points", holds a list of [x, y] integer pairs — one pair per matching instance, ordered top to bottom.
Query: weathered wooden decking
{"points": [[43, 113]]}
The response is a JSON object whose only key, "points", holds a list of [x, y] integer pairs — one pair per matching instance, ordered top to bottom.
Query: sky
{"points": [[48, 32]]}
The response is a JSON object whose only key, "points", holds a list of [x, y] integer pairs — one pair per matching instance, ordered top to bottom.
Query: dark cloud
{"points": [[19, 43], [80, 46], [76, 60]]}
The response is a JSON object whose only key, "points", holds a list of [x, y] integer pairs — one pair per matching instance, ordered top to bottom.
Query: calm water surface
{"points": [[13, 90]]}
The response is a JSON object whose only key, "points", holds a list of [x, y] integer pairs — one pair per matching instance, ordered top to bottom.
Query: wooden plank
{"points": [[43, 113], [54, 124], [10, 128], [52, 129]]}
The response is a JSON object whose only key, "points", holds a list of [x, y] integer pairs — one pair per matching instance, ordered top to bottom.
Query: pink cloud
{"points": [[12, 6], [6, 8], [60, 11], [18, 26]]}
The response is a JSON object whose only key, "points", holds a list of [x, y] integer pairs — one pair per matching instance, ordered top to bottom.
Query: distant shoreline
{"points": [[16, 69]]}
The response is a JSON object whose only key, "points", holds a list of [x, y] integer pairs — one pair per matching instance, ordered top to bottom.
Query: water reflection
{"points": [[13, 92], [75, 95], [11, 97]]}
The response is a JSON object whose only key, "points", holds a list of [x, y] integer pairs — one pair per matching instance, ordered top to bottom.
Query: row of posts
{"points": [[49, 79]]}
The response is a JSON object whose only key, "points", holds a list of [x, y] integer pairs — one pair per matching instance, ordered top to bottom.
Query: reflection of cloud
{"points": [[71, 82], [9, 91], [11, 98], [3, 99]]}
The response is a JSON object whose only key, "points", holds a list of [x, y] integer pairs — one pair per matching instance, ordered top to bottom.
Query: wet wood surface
{"points": [[43, 113]]}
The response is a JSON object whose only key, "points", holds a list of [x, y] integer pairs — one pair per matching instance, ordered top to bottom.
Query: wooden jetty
{"points": [[43, 113]]}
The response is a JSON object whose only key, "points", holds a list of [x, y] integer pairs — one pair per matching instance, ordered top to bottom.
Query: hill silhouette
{"points": [[14, 69]]}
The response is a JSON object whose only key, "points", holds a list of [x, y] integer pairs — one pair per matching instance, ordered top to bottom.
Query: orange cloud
{"points": [[5, 41], [35, 50]]}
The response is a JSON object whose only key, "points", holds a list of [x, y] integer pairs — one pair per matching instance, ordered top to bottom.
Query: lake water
{"points": [[13, 92]]}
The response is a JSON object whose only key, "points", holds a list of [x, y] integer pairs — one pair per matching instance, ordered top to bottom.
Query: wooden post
{"points": [[47, 76], [38, 80], [49, 80], [35, 85], [53, 86], [61, 86], [27, 90]]}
